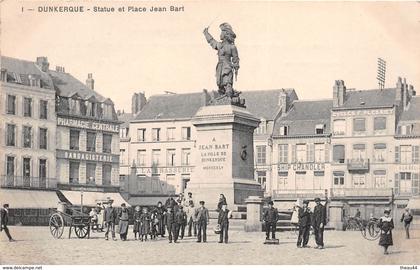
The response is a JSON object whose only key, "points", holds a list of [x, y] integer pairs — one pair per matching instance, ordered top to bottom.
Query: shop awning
{"points": [[28, 198], [92, 198]]}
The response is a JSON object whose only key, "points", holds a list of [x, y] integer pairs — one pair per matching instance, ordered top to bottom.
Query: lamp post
{"points": [[81, 200]]}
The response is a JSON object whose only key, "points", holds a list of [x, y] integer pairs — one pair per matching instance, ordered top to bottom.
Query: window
{"points": [[11, 104], [27, 107], [83, 107], [43, 109], [379, 123], [359, 124], [262, 127], [339, 127], [319, 129], [284, 130], [124, 132], [43, 133], [170, 133], [186, 133], [141, 134], [156, 134], [11, 135], [27, 137], [74, 139], [90, 141], [106, 143], [310, 151], [319, 152], [359, 152], [379, 152], [405, 152], [283, 153], [301, 153], [338, 153], [416, 153], [261, 154], [186, 156], [123, 157], [141, 157], [155, 157], [170, 157], [10, 171], [26, 172], [74, 172], [42, 173], [90, 173], [106, 174], [262, 178], [338, 178], [379, 178], [282, 180], [300, 180], [359, 180], [405, 182]]}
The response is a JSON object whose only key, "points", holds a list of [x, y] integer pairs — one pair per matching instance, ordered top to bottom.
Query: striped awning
{"points": [[17, 198]]}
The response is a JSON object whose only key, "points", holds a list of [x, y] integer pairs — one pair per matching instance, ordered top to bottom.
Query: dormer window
{"points": [[262, 128], [319, 129], [284, 130]]}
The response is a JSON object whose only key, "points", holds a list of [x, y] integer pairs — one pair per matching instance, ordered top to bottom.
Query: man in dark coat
{"points": [[160, 215], [304, 215], [4, 217], [202, 217], [270, 218], [407, 218], [110, 219], [181, 220], [223, 221], [319, 221], [171, 225]]}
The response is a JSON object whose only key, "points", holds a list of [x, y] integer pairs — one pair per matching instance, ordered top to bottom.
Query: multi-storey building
{"points": [[162, 140], [27, 144]]}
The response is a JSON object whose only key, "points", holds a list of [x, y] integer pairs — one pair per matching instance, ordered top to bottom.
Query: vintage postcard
{"points": [[281, 133]]}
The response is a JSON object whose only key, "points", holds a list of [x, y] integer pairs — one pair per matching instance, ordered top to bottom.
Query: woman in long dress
{"points": [[136, 218], [145, 219], [123, 223], [386, 224]]}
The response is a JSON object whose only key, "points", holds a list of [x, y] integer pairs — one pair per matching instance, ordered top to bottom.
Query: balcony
{"points": [[358, 164], [27, 182], [361, 192], [298, 193]]}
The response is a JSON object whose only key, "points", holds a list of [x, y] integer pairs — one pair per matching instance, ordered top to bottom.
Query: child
{"points": [[136, 217], [154, 223], [145, 224], [386, 225]]}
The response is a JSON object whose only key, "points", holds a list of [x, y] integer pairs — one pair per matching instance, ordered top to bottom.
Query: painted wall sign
{"points": [[361, 112], [88, 124], [87, 156], [302, 167]]}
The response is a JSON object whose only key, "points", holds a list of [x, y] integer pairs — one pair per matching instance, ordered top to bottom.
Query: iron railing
{"points": [[27, 182]]}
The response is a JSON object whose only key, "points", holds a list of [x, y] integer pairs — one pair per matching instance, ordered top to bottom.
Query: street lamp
{"points": [[81, 200]]}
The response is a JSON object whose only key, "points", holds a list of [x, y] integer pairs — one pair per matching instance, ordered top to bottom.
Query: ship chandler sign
{"points": [[88, 124], [302, 167]]}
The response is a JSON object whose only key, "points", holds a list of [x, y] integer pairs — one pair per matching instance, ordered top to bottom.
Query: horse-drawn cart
{"points": [[69, 216]]}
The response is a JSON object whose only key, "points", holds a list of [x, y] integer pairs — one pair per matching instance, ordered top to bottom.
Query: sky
{"points": [[300, 45]]}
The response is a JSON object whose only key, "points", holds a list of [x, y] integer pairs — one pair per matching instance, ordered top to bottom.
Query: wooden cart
{"points": [[72, 217]]}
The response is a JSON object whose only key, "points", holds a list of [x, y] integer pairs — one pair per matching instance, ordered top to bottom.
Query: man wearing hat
{"points": [[189, 208], [202, 217], [270, 218], [407, 218], [110, 219], [4, 220], [223, 221], [319, 221], [304, 224]]}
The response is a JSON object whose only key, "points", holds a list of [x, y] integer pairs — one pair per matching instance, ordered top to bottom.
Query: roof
{"points": [[23, 69], [67, 86], [369, 98], [261, 103], [265, 103], [171, 106], [413, 111], [303, 117], [125, 118]]}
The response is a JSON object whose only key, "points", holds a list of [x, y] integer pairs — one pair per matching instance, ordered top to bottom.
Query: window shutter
{"points": [[310, 148], [327, 152], [293, 153], [415, 153], [397, 154], [397, 184], [415, 186]]}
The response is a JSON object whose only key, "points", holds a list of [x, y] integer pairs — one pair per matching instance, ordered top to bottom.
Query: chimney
{"points": [[42, 63], [59, 69], [3, 76], [90, 82], [339, 93], [405, 97], [205, 98], [138, 101], [283, 102]]}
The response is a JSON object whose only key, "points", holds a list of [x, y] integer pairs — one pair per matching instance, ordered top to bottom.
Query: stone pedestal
{"points": [[224, 155], [254, 208], [336, 215]]}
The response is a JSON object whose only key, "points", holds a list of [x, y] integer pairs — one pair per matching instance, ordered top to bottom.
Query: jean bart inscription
{"points": [[212, 155]]}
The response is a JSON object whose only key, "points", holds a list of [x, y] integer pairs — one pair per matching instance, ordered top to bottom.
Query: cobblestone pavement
{"points": [[35, 245]]}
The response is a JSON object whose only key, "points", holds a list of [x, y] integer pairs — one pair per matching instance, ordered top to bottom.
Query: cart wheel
{"points": [[56, 225], [81, 230]]}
